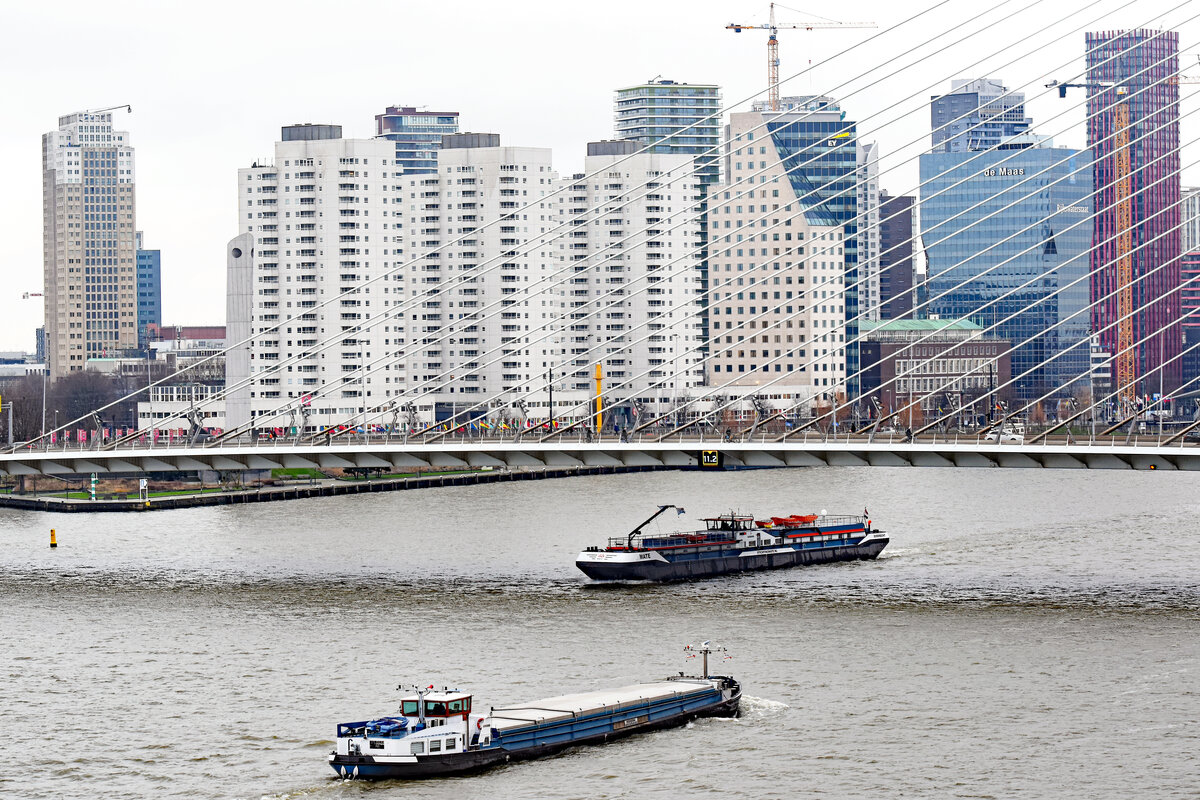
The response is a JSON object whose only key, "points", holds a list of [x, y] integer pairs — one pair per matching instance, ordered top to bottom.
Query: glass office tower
{"points": [[966, 230]]}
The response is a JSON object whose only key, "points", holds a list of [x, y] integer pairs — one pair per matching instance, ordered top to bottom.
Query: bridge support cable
{"points": [[548, 237], [597, 264], [393, 270], [1087, 308], [369, 326], [912, 344], [1123, 351], [991, 361], [676, 373], [839, 383], [1123, 387], [710, 389], [1120, 391]]}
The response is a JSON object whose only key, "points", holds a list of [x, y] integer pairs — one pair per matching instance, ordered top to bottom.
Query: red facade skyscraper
{"points": [[1138, 68]]}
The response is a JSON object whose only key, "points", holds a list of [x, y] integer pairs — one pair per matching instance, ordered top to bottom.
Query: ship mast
{"points": [[704, 649], [421, 692]]}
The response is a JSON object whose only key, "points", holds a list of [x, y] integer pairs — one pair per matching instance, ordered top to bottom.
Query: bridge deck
{"points": [[762, 452]]}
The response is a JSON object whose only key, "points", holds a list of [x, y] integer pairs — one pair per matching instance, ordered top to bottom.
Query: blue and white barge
{"points": [[730, 543], [439, 733]]}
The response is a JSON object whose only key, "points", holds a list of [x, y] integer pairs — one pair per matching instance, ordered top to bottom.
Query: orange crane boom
{"points": [[773, 44]]}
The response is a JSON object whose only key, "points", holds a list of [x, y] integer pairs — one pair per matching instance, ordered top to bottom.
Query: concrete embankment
{"points": [[327, 488]]}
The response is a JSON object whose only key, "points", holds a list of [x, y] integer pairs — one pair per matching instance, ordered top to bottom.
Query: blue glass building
{"points": [[417, 134], [818, 147], [1050, 189], [149, 290]]}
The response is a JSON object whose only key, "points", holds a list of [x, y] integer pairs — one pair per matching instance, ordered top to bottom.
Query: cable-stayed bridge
{"points": [[751, 345], [1143, 451]]}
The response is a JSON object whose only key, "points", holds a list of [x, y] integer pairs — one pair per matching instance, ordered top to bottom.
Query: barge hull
{"points": [[663, 570]]}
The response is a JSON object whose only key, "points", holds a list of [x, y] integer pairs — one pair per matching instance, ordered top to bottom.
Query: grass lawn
{"points": [[297, 472]]}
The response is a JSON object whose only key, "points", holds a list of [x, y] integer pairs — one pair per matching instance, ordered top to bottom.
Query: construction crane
{"points": [[773, 43], [128, 109], [1126, 366]]}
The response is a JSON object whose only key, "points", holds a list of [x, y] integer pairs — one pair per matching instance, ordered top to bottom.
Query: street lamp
{"points": [[45, 366]]}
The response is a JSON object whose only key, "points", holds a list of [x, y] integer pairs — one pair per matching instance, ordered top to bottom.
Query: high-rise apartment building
{"points": [[1135, 71], [976, 115], [673, 118], [418, 135], [867, 187], [315, 224], [468, 227], [1007, 239], [896, 266], [90, 269], [629, 279], [149, 290], [778, 301]]}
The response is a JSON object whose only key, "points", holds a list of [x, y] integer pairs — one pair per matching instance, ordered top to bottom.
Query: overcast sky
{"points": [[211, 84]]}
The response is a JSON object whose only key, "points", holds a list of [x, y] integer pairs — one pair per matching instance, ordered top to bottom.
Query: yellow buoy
{"points": [[53, 541]]}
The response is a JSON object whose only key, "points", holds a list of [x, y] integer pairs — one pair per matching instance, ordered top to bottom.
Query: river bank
{"points": [[317, 488]]}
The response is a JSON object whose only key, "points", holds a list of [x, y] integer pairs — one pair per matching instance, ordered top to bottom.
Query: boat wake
{"points": [[759, 707]]}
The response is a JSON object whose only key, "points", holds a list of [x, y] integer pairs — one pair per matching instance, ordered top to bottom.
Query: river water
{"points": [[1026, 633]]}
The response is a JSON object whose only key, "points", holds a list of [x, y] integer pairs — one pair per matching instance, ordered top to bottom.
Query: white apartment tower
{"points": [[314, 225], [469, 230], [89, 254], [777, 273], [630, 274]]}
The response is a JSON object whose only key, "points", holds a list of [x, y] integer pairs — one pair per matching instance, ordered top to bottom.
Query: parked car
{"points": [[1005, 435]]}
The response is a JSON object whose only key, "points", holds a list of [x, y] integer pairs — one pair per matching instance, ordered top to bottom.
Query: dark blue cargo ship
{"points": [[733, 543]]}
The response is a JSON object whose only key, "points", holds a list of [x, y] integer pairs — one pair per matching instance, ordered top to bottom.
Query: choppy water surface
{"points": [[1027, 633]]}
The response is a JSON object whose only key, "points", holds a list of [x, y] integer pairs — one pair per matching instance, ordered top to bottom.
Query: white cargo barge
{"points": [[438, 733]]}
